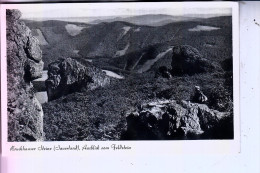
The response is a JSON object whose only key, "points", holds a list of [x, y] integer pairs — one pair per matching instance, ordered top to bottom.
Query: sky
{"points": [[119, 9]]}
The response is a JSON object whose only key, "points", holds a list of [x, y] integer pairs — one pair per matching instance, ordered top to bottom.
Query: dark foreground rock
{"points": [[188, 60], [66, 76], [25, 115], [167, 119]]}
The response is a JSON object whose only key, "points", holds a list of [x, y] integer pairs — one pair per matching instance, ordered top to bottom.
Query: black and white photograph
{"points": [[119, 72], [129, 86]]}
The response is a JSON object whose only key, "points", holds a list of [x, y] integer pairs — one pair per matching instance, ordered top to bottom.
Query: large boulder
{"points": [[188, 60], [68, 75], [25, 115], [168, 119]]}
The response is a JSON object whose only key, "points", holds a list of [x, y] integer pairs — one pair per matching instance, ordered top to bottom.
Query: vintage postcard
{"points": [[120, 76]]}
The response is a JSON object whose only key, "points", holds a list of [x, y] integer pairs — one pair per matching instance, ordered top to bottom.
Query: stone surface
{"points": [[13, 15], [33, 49], [188, 60], [33, 70], [66, 76], [199, 96], [25, 115], [168, 119]]}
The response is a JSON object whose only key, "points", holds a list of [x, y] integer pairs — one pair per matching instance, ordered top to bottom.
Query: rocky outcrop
{"points": [[188, 60], [68, 75], [199, 96], [25, 115], [168, 119]]}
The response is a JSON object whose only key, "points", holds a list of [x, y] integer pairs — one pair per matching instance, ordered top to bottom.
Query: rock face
{"points": [[187, 60], [66, 76], [25, 115], [167, 119]]}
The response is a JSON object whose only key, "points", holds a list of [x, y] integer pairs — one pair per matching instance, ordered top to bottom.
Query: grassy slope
{"points": [[99, 114]]}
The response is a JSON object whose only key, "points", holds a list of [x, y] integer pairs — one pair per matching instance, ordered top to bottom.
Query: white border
{"points": [[138, 147]]}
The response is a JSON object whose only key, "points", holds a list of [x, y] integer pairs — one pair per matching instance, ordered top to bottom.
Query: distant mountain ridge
{"points": [[147, 19]]}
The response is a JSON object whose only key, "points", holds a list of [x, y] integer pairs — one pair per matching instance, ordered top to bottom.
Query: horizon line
{"points": [[185, 15]]}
